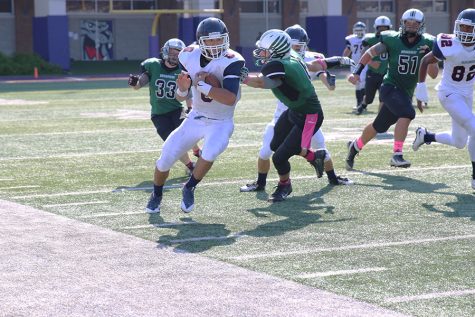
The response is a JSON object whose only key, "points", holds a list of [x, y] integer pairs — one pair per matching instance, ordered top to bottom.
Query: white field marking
{"points": [[19, 102], [77, 132], [6, 159], [6, 179], [236, 181], [19, 187], [131, 189], [78, 204], [112, 214], [160, 225], [209, 238], [352, 247], [341, 272], [402, 299]]}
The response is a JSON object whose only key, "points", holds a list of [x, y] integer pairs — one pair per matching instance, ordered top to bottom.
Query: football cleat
{"points": [[361, 108], [419, 140], [352, 152], [398, 161], [318, 162], [341, 181], [253, 187], [281, 193], [188, 199], [153, 205]]}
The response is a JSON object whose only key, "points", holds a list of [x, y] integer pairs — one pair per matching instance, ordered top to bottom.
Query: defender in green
{"points": [[405, 50]]}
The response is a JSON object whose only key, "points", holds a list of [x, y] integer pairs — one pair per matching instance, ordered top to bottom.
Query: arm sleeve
{"points": [[348, 44], [273, 70], [231, 76]]}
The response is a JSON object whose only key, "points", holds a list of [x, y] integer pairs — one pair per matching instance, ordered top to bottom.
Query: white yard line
{"points": [[6, 179], [238, 181], [20, 187], [78, 204], [112, 214], [160, 225], [208, 238], [352, 247], [341, 272], [402, 299]]}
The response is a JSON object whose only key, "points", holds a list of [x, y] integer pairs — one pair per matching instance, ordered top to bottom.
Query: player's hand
{"points": [[244, 74], [201, 76], [331, 78], [354, 79], [133, 80], [183, 81], [421, 92], [420, 106]]}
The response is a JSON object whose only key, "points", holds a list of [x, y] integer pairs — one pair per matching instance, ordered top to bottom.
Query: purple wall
{"points": [[327, 34], [51, 40]]}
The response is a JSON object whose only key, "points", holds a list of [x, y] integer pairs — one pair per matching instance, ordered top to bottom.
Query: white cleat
{"points": [[419, 140]]}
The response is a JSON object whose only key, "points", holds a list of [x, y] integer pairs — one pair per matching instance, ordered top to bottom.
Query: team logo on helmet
{"points": [[273, 44]]}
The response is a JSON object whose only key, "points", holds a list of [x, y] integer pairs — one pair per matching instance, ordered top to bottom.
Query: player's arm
{"points": [[366, 46], [347, 51], [373, 51], [322, 64], [271, 76], [327, 79], [139, 81], [231, 81]]}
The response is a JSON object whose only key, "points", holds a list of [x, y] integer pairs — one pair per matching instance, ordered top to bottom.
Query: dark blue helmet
{"points": [[466, 17], [210, 29], [359, 29], [298, 37]]}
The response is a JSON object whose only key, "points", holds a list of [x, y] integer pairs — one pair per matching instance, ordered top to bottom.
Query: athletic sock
{"points": [[429, 137], [397, 147], [310, 156], [190, 165], [473, 170], [331, 175], [261, 179], [192, 182], [286, 182], [158, 190]]}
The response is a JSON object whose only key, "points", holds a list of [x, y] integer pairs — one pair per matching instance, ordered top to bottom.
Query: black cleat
{"points": [[360, 109], [352, 152], [398, 161], [318, 162], [341, 181], [281, 193], [153, 205]]}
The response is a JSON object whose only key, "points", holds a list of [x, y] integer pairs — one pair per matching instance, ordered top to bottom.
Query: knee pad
{"points": [[164, 163]]}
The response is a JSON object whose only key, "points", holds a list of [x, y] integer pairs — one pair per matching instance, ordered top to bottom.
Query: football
{"points": [[213, 81]]}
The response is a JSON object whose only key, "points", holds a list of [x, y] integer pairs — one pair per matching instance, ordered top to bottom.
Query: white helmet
{"points": [[416, 15], [382, 21], [172, 43], [276, 43]]}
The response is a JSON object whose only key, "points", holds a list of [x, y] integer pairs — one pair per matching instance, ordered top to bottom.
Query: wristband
{"points": [[359, 69], [203, 87], [182, 93]]}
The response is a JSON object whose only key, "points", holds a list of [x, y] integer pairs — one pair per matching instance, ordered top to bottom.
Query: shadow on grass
{"points": [[147, 186], [463, 206], [297, 212]]}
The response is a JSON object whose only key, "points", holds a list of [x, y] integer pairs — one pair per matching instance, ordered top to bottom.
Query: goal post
{"points": [[153, 40]]}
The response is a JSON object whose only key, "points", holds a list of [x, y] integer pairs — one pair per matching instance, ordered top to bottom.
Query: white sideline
{"points": [[238, 181], [20, 187], [352, 247], [342, 272], [402, 299]]}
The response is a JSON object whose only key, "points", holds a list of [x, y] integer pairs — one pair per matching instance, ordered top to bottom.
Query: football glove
{"points": [[347, 61], [244, 74], [331, 79], [133, 80], [421, 92]]}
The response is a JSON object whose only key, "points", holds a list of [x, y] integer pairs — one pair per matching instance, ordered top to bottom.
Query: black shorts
{"points": [[373, 83], [396, 104], [165, 123]]}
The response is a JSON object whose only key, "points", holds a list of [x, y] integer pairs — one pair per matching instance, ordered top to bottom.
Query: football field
{"points": [[402, 239]]}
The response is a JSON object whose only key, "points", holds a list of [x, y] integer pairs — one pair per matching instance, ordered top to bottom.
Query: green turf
{"points": [[88, 150]]}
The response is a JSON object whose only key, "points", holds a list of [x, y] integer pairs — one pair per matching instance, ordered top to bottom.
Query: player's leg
{"points": [[372, 84], [306, 125], [216, 140], [318, 142], [177, 143], [263, 161]]}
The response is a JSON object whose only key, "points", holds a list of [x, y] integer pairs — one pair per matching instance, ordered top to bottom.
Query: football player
{"points": [[299, 41], [354, 49], [405, 49], [378, 65], [285, 73], [455, 90], [167, 112], [211, 117]]}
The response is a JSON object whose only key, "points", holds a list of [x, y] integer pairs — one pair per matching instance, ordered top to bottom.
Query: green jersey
{"points": [[370, 40], [404, 59], [162, 85], [297, 91]]}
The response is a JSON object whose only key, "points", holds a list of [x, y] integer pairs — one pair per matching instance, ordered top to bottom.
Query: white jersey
{"points": [[355, 45], [309, 57], [190, 59], [459, 64]]}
